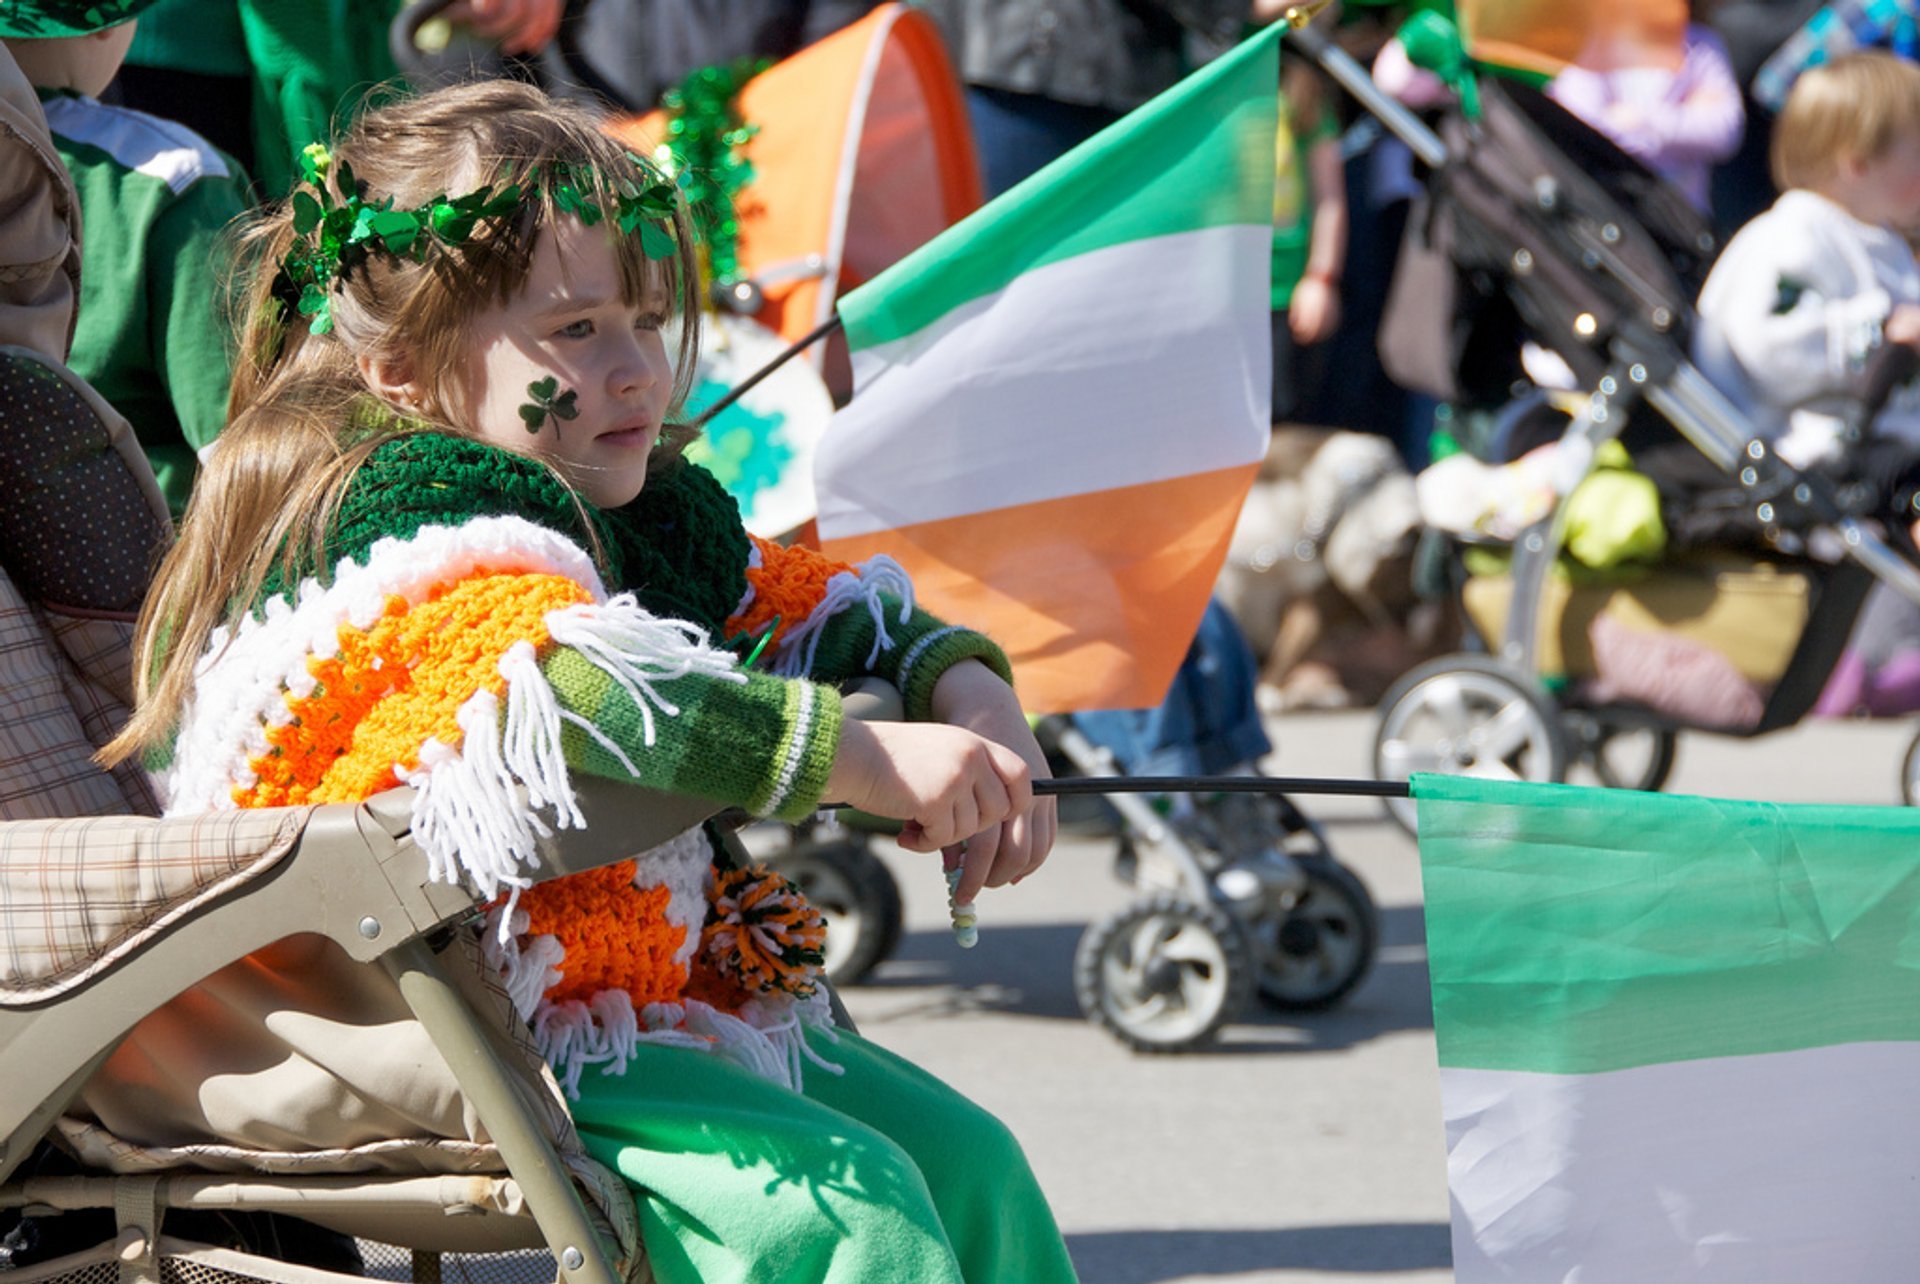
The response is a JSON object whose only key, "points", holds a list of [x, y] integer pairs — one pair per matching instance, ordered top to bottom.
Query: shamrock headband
{"points": [[332, 238]]}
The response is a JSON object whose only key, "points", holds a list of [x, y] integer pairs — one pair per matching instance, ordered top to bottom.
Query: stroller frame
{"points": [[1628, 341], [354, 875]]}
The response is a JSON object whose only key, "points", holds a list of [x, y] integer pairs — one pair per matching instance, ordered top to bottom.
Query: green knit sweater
{"points": [[680, 549]]}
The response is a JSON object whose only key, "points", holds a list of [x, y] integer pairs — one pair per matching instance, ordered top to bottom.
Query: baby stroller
{"points": [[1535, 227], [1241, 897]]}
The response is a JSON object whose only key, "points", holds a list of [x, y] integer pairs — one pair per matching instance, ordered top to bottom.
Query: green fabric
{"points": [[55, 19], [201, 36], [316, 64], [1160, 171], [1293, 200], [151, 332], [1575, 931], [881, 1173]]}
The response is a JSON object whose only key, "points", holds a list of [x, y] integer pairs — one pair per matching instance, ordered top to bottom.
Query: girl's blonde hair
{"points": [[1853, 107], [297, 414]]}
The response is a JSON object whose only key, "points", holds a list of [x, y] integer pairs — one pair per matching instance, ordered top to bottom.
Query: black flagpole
{"points": [[746, 385]]}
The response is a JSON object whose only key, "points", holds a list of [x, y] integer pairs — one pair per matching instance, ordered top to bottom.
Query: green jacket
{"points": [[155, 202]]}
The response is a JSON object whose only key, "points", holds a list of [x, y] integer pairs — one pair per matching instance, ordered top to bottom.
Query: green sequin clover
{"points": [[332, 238], [546, 404]]}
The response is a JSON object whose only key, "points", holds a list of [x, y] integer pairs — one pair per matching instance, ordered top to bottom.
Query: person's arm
{"points": [[517, 26], [1707, 124], [186, 273], [1781, 303], [1314, 312], [832, 618], [780, 747]]}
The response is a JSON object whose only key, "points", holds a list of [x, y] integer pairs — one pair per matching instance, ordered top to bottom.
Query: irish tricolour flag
{"points": [[1060, 401], [1679, 1038]]}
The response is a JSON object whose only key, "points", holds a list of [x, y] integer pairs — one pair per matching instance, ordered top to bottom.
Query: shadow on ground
{"points": [[1029, 972], [1149, 1256]]}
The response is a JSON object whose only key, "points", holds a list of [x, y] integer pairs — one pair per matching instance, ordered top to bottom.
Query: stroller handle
{"points": [[1356, 80]]}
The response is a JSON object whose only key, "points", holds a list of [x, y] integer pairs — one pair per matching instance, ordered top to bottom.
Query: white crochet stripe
{"points": [[754, 562], [862, 586], [243, 679], [794, 752], [681, 865]]}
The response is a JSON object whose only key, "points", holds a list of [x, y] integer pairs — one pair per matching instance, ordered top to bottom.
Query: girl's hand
{"points": [[517, 26], [971, 695], [946, 783]]}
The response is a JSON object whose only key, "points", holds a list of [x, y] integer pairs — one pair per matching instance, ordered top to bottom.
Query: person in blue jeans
{"points": [[1208, 725]]}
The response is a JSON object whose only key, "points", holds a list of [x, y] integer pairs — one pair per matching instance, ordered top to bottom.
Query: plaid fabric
{"points": [[1839, 28], [98, 685], [46, 757], [79, 896]]}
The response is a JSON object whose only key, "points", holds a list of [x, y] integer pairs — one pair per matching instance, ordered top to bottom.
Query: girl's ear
{"points": [[390, 378]]}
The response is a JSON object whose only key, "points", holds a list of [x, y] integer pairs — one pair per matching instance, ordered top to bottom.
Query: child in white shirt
{"points": [[1807, 293]]}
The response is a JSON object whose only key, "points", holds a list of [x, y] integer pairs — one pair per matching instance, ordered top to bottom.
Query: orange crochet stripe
{"points": [[789, 583], [399, 683], [616, 935]]}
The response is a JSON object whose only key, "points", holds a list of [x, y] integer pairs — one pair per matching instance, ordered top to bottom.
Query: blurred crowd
{"points": [[176, 122]]}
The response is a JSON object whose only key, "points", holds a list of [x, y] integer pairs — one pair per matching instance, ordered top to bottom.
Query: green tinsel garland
{"points": [[705, 138]]}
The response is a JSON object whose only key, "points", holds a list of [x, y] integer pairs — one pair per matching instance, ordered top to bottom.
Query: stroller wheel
{"points": [[1466, 715], [1626, 757], [1910, 773], [856, 895], [1312, 955], [1164, 974]]}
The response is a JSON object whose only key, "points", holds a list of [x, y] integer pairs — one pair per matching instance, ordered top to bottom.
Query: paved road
{"points": [[1299, 1150]]}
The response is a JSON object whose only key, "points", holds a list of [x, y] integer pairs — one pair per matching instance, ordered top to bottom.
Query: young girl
{"points": [[448, 541]]}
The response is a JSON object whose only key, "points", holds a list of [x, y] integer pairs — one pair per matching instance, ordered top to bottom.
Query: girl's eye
{"points": [[649, 321], [576, 329]]}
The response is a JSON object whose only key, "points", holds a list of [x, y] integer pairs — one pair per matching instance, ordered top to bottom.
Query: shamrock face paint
{"points": [[567, 352], [545, 405]]}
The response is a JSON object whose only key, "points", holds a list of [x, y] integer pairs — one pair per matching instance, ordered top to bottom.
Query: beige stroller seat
{"points": [[113, 922]]}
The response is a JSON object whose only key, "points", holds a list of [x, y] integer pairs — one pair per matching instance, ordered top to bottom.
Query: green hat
{"points": [[46, 19]]}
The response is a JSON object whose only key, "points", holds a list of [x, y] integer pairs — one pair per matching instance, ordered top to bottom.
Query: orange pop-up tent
{"points": [[1542, 36], [862, 154]]}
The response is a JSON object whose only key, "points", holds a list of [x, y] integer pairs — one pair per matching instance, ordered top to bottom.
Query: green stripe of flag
{"points": [[1200, 155], [1579, 930]]}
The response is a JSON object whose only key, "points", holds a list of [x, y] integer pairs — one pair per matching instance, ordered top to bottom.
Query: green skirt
{"points": [[882, 1173]]}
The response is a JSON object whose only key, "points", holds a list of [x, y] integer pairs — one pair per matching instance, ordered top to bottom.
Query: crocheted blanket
{"points": [[483, 659]]}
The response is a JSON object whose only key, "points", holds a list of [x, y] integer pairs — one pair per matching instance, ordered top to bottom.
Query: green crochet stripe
{"points": [[679, 546], [922, 649], [715, 747]]}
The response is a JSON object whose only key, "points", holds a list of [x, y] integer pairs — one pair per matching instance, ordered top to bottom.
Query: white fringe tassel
{"points": [[861, 586], [639, 651], [467, 816]]}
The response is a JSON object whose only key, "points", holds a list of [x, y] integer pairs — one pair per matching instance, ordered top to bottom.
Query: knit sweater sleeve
{"points": [[833, 622], [748, 740]]}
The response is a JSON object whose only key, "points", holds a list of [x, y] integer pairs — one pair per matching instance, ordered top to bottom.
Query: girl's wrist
{"points": [[1325, 276]]}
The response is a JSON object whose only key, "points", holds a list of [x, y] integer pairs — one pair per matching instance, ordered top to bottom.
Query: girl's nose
{"points": [[640, 368]]}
